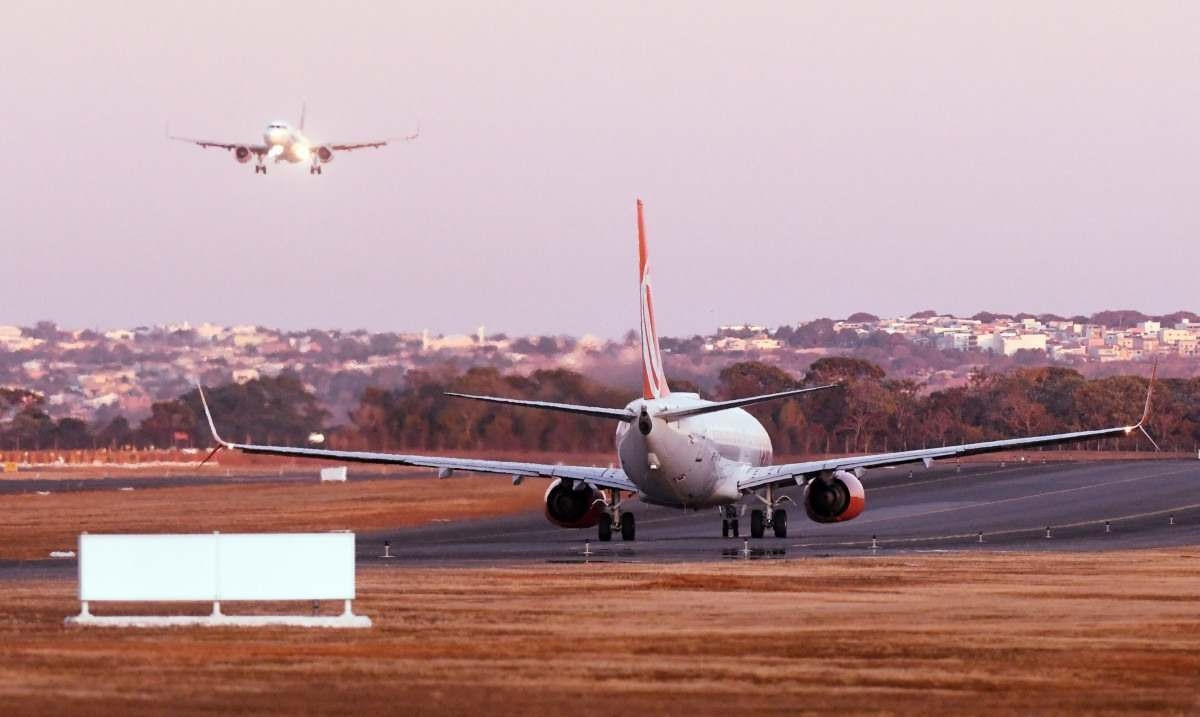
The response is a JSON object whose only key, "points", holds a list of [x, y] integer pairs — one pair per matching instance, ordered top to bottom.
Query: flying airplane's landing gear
{"points": [[260, 169], [315, 169], [774, 517], [614, 518], [729, 521]]}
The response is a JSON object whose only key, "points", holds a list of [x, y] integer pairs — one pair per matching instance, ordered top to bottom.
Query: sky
{"points": [[797, 160]]}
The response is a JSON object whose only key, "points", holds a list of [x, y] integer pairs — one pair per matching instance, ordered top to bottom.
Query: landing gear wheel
{"points": [[779, 523], [756, 524], [628, 527], [733, 527], [605, 528], [724, 528]]}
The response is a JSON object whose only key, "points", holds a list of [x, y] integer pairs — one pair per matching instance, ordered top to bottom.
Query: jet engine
{"points": [[242, 154], [324, 154], [835, 498], [568, 507]]}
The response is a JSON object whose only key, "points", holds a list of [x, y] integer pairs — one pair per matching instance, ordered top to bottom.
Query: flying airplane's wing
{"points": [[373, 144], [255, 148], [793, 473], [599, 477]]}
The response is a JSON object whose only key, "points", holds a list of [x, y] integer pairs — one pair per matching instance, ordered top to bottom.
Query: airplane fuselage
{"points": [[285, 143], [693, 462]]}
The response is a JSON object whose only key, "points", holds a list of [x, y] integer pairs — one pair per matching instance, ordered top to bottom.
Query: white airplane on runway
{"points": [[284, 143], [678, 450]]}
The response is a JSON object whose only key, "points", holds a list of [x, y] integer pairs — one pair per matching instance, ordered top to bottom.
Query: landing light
{"points": [[302, 152]]}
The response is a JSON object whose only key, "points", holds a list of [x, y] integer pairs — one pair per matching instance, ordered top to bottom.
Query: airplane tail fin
{"points": [[654, 381]]}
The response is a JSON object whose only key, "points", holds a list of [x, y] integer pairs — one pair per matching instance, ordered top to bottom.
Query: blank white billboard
{"points": [[202, 567]]}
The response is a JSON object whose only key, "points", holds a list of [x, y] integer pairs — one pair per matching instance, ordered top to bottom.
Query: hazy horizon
{"points": [[797, 161]]}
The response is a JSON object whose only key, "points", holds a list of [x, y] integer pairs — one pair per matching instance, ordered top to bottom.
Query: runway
{"points": [[1147, 504]]}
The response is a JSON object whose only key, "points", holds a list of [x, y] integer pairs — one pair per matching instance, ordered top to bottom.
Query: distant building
{"points": [[1009, 345]]}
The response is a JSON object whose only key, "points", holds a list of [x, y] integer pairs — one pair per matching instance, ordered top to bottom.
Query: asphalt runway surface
{"points": [[1147, 504]]}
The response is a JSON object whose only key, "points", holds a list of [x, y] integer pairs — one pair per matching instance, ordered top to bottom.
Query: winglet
{"points": [[1149, 394], [208, 414], [1141, 424]]}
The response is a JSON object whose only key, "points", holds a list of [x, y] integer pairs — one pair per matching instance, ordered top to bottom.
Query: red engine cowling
{"points": [[242, 154], [324, 154], [835, 499], [570, 508]]}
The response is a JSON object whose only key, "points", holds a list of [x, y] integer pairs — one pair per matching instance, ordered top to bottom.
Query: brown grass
{"points": [[32, 525], [998, 634]]}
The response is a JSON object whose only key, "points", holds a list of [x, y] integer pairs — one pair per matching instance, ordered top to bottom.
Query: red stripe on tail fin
{"points": [[654, 381]]}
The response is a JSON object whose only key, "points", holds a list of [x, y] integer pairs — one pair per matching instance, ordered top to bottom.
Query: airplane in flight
{"points": [[282, 142], [679, 450]]}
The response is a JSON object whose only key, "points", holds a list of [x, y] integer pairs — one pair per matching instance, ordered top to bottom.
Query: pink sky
{"points": [[796, 159]]}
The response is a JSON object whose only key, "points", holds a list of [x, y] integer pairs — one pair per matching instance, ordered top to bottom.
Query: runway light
{"points": [[316, 437]]}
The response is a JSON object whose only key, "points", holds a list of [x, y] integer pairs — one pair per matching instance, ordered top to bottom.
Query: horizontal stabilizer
{"points": [[737, 403], [619, 414]]}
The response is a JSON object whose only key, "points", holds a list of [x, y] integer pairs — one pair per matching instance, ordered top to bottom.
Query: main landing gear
{"points": [[260, 169], [314, 169], [774, 517], [613, 518], [729, 521]]}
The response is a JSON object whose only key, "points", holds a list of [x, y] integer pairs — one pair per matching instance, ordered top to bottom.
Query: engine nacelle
{"points": [[242, 154], [324, 154], [833, 500], [567, 507]]}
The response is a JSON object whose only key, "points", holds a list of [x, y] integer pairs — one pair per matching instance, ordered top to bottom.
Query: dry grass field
{"points": [[33, 525], [916, 634]]}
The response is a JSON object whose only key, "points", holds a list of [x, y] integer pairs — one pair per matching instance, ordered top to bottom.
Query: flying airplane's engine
{"points": [[242, 154], [324, 154], [840, 497], [567, 507]]}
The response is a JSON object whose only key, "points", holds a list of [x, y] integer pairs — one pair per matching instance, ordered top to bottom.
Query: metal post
{"points": [[1171, 521], [1107, 526], [1047, 531], [981, 536], [874, 543], [587, 547], [746, 548], [387, 549]]}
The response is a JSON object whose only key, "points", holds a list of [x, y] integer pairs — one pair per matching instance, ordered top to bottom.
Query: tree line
{"points": [[869, 412]]}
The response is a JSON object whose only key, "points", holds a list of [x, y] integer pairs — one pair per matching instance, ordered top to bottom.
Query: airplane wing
{"points": [[373, 144], [255, 148], [796, 473], [599, 477]]}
